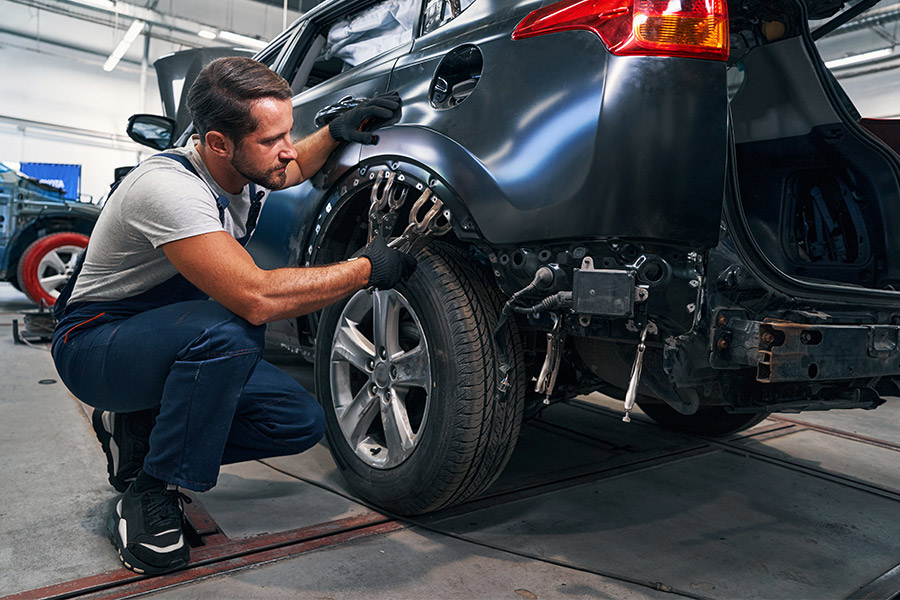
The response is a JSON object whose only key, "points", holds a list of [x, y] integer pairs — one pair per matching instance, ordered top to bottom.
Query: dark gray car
{"points": [[620, 219]]}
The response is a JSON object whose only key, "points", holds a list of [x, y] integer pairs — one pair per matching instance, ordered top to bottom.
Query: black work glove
{"points": [[354, 124], [389, 266]]}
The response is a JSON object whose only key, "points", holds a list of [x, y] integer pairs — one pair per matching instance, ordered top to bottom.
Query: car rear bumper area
{"points": [[784, 351]]}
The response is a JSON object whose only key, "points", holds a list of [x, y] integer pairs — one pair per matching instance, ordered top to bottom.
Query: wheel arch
{"points": [[456, 177], [40, 227], [328, 238]]}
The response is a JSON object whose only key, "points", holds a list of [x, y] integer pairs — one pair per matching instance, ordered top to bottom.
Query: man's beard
{"points": [[273, 178]]}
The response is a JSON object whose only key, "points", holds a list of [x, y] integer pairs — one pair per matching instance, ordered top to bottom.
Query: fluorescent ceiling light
{"points": [[108, 4], [135, 30], [207, 34], [243, 40], [859, 58]]}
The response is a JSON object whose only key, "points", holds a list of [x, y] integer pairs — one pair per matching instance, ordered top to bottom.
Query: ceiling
{"points": [[88, 31]]}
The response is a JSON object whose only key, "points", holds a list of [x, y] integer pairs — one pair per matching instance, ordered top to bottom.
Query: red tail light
{"points": [[691, 28]]}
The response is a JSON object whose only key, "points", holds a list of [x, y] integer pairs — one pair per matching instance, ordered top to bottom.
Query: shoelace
{"points": [[165, 506]]}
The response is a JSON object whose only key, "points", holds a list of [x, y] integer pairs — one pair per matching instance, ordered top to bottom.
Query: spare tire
{"points": [[48, 263], [408, 379]]}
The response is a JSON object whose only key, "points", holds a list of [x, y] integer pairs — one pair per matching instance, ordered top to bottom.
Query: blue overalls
{"points": [[196, 364]]}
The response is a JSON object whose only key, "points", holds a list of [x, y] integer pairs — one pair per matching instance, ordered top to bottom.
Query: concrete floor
{"points": [[587, 508]]}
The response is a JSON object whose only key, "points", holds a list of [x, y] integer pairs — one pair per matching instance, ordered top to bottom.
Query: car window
{"points": [[441, 12], [355, 39]]}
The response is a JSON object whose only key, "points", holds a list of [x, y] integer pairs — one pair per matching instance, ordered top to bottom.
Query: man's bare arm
{"points": [[312, 152], [220, 267]]}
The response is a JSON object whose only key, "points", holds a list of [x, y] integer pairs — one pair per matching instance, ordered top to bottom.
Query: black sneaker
{"points": [[125, 438], [146, 529]]}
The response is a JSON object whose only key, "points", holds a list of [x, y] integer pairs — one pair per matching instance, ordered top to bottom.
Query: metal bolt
{"points": [[721, 321], [767, 337], [722, 344]]}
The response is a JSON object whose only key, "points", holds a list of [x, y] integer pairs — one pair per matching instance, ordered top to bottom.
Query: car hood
{"points": [[177, 71]]}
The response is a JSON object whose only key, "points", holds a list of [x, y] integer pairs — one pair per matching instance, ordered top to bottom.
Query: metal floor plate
{"points": [[720, 525]]}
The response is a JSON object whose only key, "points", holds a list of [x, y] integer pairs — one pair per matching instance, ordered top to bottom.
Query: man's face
{"points": [[264, 153]]}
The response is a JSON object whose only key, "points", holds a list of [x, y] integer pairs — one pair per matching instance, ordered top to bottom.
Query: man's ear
{"points": [[219, 143]]}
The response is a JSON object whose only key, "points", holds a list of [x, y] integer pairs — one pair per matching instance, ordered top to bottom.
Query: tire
{"points": [[47, 264], [712, 421], [458, 436]]}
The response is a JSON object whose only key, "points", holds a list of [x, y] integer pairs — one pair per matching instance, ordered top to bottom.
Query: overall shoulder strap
{"points": [[221, 201]]}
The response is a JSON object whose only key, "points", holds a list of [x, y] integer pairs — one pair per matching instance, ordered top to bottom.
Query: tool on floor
{"points": [[38, 326]]}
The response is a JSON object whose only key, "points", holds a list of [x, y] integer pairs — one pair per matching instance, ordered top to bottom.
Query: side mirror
{"points": [[151, 130]]}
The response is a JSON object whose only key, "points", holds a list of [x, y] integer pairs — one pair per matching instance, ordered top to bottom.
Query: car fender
{"points": [[436, 160]]}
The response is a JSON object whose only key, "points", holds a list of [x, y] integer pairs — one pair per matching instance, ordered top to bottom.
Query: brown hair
{"points": [[221, 96]]}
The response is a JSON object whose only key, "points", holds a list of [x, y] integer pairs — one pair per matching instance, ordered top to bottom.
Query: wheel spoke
{"points": [[53, 260], [73, 260], [53, 281], [383, 323], [351, 345], [413, 369], [356, 417], [398, 433]]}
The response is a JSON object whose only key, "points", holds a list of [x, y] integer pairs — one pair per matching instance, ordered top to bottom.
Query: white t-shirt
{"points": [[158, 202]]}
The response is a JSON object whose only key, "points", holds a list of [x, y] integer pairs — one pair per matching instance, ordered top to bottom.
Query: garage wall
{"points": [[57, 104], [92, 105]]}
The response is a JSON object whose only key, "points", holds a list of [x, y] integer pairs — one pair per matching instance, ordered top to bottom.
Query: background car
{"points": [[671, 203], [42, 235]]}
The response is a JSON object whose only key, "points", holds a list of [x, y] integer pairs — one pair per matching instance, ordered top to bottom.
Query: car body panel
{"points": [[28, 209]]}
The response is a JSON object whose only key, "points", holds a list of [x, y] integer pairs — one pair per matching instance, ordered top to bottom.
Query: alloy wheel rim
{"points": [[56, 267], [380, 377]]}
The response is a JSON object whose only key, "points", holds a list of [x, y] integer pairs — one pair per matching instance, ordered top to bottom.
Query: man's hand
{"points": [[354, 125], [389, 266]]}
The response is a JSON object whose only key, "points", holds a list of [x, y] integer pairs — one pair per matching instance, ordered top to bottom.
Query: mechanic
{"points": [[162, 329]]}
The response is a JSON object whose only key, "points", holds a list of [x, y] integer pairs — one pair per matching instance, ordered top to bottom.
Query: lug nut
{"points": [[382, 353], [370, 365], [393, 372]]}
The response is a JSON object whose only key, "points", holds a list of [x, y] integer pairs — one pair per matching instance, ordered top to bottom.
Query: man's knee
{"points": [[226, 332]]}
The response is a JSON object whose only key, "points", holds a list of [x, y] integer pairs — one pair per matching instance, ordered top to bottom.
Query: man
{"points": [[164, 327]]}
